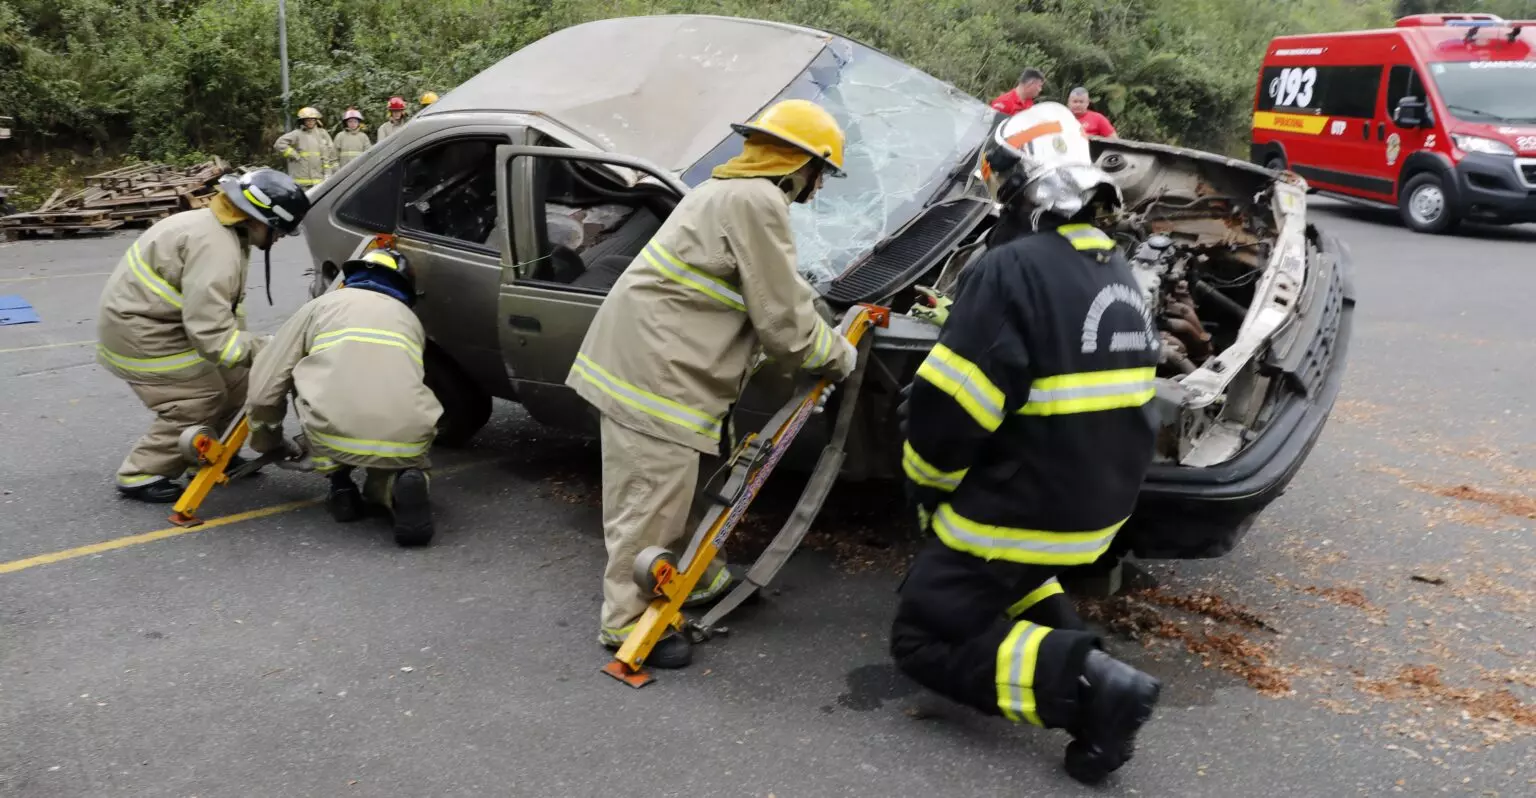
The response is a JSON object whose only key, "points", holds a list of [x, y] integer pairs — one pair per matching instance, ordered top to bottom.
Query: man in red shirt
{"points": [[1021, 97], [1093, 122]]}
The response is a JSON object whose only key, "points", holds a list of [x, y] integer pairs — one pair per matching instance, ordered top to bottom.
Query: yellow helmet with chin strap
{"points": [[309, 112], [803, 125]]}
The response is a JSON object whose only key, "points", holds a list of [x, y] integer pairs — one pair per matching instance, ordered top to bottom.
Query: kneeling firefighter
{"points": [[172, 322], [670, 349], [353, 359], [1027, 437]]}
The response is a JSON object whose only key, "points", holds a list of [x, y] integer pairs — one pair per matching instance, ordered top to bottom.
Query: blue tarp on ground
{"points": [[15, 310]]}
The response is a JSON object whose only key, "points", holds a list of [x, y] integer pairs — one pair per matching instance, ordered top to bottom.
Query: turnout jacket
{"points": [[390, 128], [349, 145], [311, 155], [171, 310], [670, 349], [353, 360], [1028, 423]]}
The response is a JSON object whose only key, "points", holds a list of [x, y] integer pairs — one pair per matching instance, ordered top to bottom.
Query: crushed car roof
{"points": [[664, 88]]}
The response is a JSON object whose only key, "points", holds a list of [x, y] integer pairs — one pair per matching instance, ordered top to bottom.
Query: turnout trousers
{"points": [[214, 398], [648, 490], [998, 636]]}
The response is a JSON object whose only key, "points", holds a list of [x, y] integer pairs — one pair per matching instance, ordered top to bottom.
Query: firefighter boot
{"points": [[161, 491], [345, 501], [412, 508], [674, 650], [1116, 699]]}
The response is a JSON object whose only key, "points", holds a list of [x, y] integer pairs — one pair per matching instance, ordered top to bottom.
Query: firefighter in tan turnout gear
{"points": [[396, 119], [352, 141], [310, 152], [172, 324], [670, 349], [352, 358], [1028, 436]]}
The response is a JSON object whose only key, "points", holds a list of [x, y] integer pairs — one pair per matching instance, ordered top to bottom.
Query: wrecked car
{"points": [[524, 193]]}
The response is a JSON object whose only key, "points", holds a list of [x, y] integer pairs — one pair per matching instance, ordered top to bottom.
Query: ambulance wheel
{"points": [[1275, 162], [1425, 206], [466, 407], [187, 444], [645, 566]]}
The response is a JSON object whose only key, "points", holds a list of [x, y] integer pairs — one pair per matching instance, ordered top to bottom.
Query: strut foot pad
{"points": [[184, 520], [633, 678]]}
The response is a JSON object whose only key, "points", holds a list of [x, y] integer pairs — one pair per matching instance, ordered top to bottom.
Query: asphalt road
{"points": [[284, 655]]}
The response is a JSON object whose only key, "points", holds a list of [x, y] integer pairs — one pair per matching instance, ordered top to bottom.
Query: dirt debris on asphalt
{"points": [[1137, 616]]}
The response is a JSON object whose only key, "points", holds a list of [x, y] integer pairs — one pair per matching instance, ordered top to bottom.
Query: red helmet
{"points": [[397, 104]]}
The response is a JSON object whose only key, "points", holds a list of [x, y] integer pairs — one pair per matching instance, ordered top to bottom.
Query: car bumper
{"points": [[1490, 188], [1195, 513]]}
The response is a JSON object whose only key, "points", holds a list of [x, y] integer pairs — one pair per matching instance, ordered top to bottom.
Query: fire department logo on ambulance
{"points": [[1394, 148]]}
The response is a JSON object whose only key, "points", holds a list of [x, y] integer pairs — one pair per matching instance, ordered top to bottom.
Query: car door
{"points": [[1397, 141], [576, 220]]}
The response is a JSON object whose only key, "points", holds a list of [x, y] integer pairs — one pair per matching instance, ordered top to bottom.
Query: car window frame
{"points": [[496, 138], [517, 206]]}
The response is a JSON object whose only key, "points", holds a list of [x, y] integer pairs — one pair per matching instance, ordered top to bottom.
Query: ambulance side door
{"points": [[575, 220]]}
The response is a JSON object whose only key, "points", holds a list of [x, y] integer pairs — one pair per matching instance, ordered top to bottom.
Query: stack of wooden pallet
{"points": [[138, 195]]}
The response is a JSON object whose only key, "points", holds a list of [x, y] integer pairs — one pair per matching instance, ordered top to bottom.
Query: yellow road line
{"points": [[52, 277], [45, 346], [174, 531], [149, 537]]}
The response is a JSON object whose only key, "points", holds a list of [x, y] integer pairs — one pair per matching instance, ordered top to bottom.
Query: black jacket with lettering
{"points": [[1029, 427]]}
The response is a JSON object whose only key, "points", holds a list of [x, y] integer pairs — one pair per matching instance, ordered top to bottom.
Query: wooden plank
{"points": [[52, 198]]}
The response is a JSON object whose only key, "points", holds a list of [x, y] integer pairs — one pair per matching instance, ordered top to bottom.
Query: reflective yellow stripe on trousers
{"points": [[676, 270], [152, 365], [1090, 391], [646, 402], [1014, 544], [1039, 594], [1016, 660]]}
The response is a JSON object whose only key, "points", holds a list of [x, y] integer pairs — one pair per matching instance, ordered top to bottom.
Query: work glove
{"points": [[932, 306], [847, 359], [266, 437], [295, 457]]}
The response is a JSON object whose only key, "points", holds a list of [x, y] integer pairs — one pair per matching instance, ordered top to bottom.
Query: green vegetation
{"points": [[176, 78]]}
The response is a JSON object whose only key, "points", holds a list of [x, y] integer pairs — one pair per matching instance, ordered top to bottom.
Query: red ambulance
{"points": [[1435, 116]]}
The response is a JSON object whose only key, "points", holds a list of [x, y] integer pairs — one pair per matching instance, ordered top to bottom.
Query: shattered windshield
{"points": [[906, 131]]}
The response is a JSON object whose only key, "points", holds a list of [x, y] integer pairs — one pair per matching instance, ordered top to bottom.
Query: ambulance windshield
{"points": [[1497, 92]]}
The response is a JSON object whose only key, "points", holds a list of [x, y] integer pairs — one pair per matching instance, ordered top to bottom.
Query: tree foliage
{"points": [[176, 78]]}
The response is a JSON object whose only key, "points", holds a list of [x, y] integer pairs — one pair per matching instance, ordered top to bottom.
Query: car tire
{"points": [[1276, 162], [1425, 205], [466, 407]]}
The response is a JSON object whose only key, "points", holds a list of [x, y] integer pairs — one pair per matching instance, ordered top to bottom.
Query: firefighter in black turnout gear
{"points": [[1028, 433]]}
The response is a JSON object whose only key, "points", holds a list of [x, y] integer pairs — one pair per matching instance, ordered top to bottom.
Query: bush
{"points": [[168, 78]]}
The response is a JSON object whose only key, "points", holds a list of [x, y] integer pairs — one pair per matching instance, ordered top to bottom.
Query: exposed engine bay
{"points": [[1218, 250]]}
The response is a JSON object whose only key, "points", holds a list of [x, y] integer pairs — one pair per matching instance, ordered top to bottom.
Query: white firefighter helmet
{"points": [[1040, 158]]}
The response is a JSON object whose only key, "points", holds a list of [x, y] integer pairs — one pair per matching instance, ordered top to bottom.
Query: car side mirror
{"points": [[1410, 112]]}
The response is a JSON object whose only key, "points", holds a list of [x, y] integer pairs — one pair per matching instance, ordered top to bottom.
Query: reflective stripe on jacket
{"points": [[349, 145], [311, 154], [170, 310], [670, 348], [353, 360], [1029, 416]]}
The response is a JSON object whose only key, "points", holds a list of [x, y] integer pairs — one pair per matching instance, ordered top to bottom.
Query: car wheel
{"points": [[1275, 162], [1425, 206], [466, 407]]}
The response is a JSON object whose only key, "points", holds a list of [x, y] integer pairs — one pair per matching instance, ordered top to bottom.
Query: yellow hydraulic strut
{"points": [[656, 570]]}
